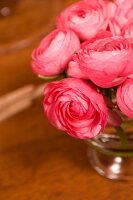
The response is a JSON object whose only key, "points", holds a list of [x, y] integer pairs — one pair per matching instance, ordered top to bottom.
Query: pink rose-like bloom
{"points": [[120, 13], [86, 18], [54, 52], [107, 62], [124, 97], [74, 106]]}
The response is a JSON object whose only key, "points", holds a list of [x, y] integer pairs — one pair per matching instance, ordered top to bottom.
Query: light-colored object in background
{"points": [[18, 100]]}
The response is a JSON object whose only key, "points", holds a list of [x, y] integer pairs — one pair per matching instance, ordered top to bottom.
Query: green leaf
{"points": [[47, 78], [123, 137]]}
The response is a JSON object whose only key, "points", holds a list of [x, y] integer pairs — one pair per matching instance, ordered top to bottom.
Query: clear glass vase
{"points": [[111, 154]]}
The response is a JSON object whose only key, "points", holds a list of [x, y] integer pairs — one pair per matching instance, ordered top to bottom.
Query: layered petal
{"points": [[120, 14], [85, 18], [54, 52], [107, 62], [71, 105]]}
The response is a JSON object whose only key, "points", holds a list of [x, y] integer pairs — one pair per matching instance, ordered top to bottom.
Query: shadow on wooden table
{"points": [[31, 147]]}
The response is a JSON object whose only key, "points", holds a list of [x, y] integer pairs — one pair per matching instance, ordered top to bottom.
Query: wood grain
{"points": [[38, 162]]}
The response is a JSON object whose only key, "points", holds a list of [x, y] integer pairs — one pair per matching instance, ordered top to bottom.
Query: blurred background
{"points": [[22, 25]]}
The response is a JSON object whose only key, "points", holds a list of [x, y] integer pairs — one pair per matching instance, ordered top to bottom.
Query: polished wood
{"points": [[38, 162]]}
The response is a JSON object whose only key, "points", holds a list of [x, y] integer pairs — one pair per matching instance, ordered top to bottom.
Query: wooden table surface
{"points": [[38, 162]]}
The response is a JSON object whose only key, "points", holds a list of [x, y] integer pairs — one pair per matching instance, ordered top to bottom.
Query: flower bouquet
{"points": [[90, 53]]}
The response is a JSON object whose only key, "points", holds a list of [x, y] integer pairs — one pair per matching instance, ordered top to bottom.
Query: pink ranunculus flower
{"points": [[120, 13], [86, 18], [54, 52], [106, 62], [124, 97], [74, 106]]}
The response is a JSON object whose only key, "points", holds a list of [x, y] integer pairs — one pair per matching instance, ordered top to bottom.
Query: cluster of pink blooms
{"points": [[93, 45]]}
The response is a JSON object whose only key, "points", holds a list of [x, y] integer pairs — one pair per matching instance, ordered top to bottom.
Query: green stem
{"points": [[52, 78], [123, 137], [109, 151]]}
